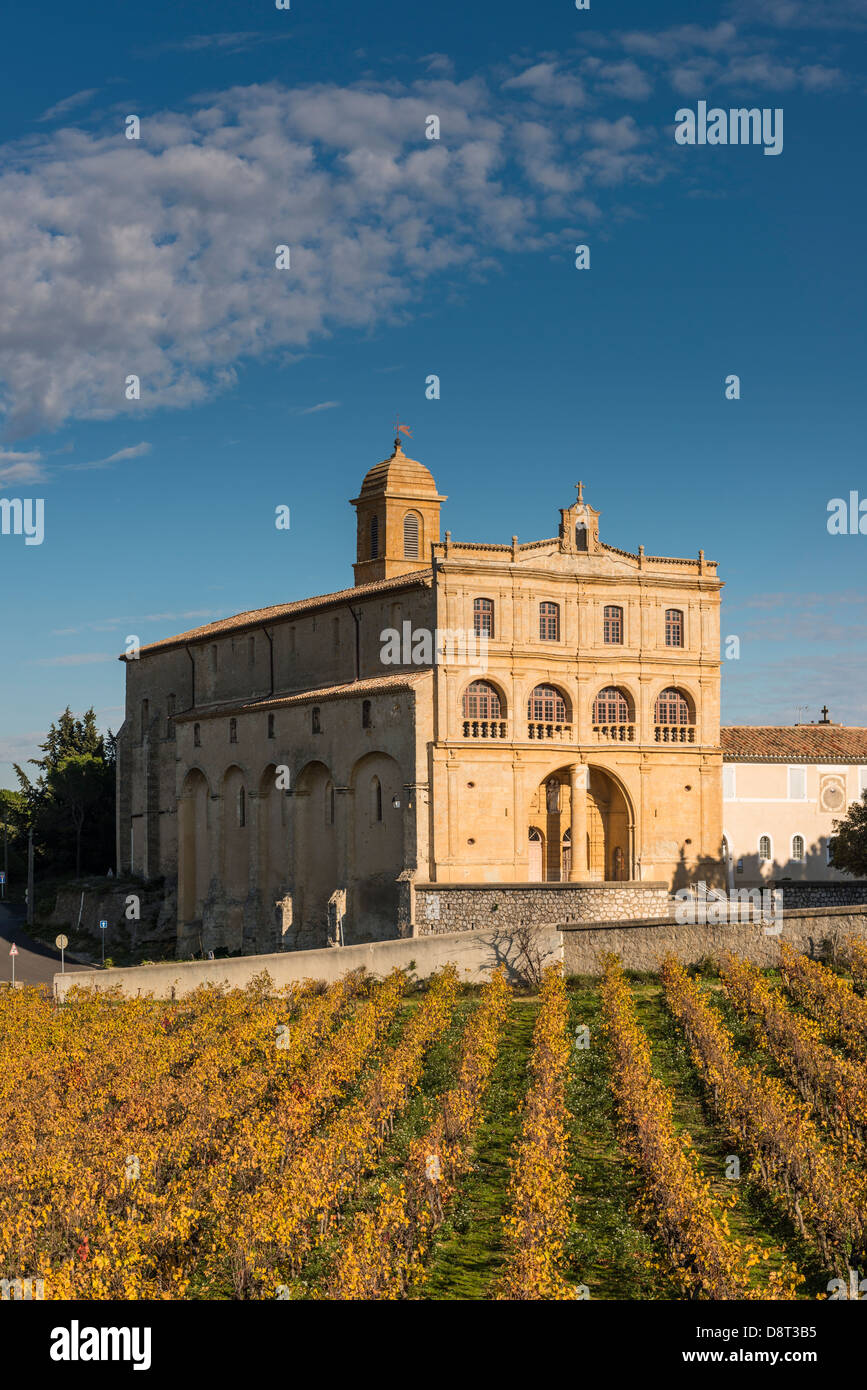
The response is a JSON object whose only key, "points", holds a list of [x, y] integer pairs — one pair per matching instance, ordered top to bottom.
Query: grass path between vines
{"points": [[755, 1218], [469, 1250]]}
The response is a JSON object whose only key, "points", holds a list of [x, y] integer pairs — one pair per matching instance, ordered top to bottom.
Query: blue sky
{"points": [[411, 257]]}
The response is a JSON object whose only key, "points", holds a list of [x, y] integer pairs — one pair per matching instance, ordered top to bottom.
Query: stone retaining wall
{"points": [[817, 894], [452, 907], [642, 945]]}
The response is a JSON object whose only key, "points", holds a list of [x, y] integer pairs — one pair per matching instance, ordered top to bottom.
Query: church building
{"points": [[465, 713]]}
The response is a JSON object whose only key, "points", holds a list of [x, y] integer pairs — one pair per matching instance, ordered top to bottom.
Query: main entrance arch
{"points": [[605, 818]]}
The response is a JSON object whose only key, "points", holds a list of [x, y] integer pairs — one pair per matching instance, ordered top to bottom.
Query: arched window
{"points": [[411, 535], [580, 535], [374, 537], [483, 617], [549, 622], [612, 623], [673, 627], [482, 701], [547, 705], [611, 707], [672, 708], [365, 714], [315, 722], [233, 731], [197, 735], [375, 799], [329, 803], [242, 807], [764, 847], [798, 848]]}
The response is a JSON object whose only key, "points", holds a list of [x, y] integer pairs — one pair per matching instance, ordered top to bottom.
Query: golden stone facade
{"points": [[272, 764]]}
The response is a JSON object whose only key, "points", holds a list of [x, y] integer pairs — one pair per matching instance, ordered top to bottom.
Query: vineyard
{"points": [[668, 1137]]}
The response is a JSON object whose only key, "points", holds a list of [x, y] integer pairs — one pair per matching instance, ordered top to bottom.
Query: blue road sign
{"points": [[103, 926]]}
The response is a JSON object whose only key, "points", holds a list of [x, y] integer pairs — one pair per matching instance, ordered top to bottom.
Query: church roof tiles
{"points": [[254, 617], [350, 690], [801, 743]]}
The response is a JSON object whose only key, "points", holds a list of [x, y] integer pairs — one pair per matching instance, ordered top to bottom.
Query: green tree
{"points": [[78, 788], [70, 803], [14, 823], [849, 850]]}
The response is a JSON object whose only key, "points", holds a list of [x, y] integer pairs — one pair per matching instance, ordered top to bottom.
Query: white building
{"points": [[783, 788]]}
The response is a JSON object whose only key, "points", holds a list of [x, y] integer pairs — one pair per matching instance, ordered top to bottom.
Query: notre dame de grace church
{"points": [[285, 768]]}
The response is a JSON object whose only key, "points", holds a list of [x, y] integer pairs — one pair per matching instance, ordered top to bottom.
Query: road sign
{"points": [[2, 876], [103, 925], [61, 942], [13, 949]]}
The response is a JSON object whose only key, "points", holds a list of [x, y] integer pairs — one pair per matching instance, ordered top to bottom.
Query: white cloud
{"points": [[804, 14], [228, 42], [548, 85], [68, 104], [157, 257], [323, 405], [133, 452], [18, 467], [130, 624], [76, 659]]}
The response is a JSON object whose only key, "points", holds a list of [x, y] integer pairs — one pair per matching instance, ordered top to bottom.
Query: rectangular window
{"points": [[483, 617], [549, 622], [612, 624], [673, 627], [170, 723], [729, 782], [797, 784]]}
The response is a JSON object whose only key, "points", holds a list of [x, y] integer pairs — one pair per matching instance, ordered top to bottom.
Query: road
{"points": [[36, 963]]}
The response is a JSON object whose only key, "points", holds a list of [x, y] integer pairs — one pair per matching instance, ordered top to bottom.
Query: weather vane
{"points": [[399, 428]]}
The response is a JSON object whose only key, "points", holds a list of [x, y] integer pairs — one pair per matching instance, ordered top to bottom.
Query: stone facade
{"points": [[272, 759], [451, 907]]}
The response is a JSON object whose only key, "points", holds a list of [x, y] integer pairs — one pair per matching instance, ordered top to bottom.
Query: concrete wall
{"points": [[450, 907], [642, 945], [474, 955]]}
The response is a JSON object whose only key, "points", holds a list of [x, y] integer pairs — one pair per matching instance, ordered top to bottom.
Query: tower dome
{"points": [[398, 513]]}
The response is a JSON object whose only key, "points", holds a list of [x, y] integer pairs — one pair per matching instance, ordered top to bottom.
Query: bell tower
{"points": [[398, 515], [579, 526]]}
